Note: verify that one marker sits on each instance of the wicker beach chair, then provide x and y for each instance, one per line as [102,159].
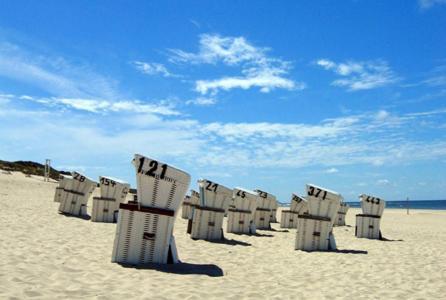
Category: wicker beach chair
[63,182]
[144,230]
[208,216]
[369,222]
[298,206]
[265,205]
[314,230]
[75,195]
[113,193]
[340,219]
[241,215]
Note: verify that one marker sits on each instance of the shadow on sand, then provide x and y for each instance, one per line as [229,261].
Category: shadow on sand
[349,251]
[181,269]
[87,217]
[230,242]
[389,240]
[278,230]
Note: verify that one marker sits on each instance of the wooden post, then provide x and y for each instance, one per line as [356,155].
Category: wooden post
[47,170]
[407,204]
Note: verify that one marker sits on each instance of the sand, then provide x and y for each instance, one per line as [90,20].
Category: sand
[47,255]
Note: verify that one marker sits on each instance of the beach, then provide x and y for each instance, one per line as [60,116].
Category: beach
[46,255]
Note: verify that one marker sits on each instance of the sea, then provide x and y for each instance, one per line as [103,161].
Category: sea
[413,204]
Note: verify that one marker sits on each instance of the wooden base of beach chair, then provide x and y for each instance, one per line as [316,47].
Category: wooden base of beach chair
[288,219]
[104,210]
[207,223]
[262,218]
[58,194]
[144,235]
[313,234]
[73,203]
[240,221]
[368,226]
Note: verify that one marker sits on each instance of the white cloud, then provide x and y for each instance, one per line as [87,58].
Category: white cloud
[104,106]
[214,48]
[437,77]
[54,75]
[257,69]
[152,69]
[331,171]
[326,145]
[265,79]
[382,115]
[360,75]
[383,182]
[202,101]
[426,4]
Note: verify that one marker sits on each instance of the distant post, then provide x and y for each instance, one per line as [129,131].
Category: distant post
[407,204]
[47,170]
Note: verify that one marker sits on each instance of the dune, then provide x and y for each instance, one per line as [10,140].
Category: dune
[47,255]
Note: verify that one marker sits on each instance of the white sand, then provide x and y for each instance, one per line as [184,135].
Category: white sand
[47,255]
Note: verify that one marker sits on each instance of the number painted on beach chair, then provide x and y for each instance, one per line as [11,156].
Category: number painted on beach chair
[78,177]
[373,200]
[210,186]
[296,198]
[314,191]
[241,194]
[262,194]
[108,181]
[153,168]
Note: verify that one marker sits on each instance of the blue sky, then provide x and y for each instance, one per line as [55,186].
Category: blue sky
[348,95]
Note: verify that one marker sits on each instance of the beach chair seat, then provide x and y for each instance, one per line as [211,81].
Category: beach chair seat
[106,207]
[241,215]
[340,219]
[63,182]
[265,204]
[314,230]
[144,229]
[298,206]
[368,223]
[207,223]
[75,195]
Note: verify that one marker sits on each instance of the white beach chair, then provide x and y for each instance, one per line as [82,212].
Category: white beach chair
[63,182]
[190,202]
[185,207]
[273,218]
[298,206]
[75,195]
[314,230]
[144,230]
[368,223]
[241,216]
[340,219]
[265,204]
[208,216]
[113,193]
